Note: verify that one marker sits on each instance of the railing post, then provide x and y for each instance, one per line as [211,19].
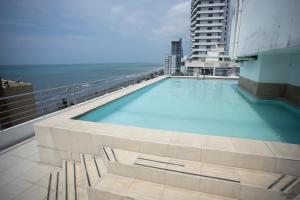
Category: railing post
[74,95]
[68,96]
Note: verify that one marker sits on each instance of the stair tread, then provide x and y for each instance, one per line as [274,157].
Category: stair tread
[283,182]
[139,189]
[92,169]
[70,182]
[80,187]
[240,175]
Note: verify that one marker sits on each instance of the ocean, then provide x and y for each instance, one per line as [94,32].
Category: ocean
[50,76]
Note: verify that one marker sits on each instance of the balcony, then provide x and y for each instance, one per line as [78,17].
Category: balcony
[206,12]
[213,24]
[207,37]
[208,31]
[206,18]
[205,43]
[207,5]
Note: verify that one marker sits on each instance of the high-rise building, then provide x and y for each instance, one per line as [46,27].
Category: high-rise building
[176,50]
[173,61]
[209,32]
[170,64]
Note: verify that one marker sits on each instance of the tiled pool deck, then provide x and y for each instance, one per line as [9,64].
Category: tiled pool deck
[22,176]
[25,170]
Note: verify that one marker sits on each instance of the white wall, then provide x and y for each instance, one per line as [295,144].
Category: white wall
[294,71]
[274,68]
[268,25]
[251,69]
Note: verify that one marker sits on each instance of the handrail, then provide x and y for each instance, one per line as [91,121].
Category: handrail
[80,84]
[20,108]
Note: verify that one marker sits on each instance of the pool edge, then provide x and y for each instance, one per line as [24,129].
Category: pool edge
[55,136]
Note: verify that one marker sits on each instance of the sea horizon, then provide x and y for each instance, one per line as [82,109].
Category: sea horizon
[46,76]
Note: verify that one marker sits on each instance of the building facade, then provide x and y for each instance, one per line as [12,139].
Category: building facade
[170,64]
[173,61]
[267,45]
[209,32]
[176,49]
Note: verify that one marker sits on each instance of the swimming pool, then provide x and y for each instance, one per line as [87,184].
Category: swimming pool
[212,107]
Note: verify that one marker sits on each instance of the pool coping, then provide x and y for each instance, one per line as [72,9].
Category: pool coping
[61,137]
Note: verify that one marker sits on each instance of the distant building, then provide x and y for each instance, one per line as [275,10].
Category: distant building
[173,61]
[209,40]
[176,50]
[170,64]
[209,28]
[18,109]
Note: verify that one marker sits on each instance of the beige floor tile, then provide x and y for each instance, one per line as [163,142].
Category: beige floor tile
[4,179]
[217,143]
[257,178]
[282,150]
[153,148]
[8,162]
[220,171]
[24,151]
[183,181]
[34,174]
[114,184]
[34,158]
[171,193]
[13,188]
[33,142]
[204,196]
[190,140]
[125,157]
[221,188]
[44,181]
[33,193]
[184,152]
[251,147]
[19,169]
[146,189]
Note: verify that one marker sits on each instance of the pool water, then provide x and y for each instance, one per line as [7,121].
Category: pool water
[212,107]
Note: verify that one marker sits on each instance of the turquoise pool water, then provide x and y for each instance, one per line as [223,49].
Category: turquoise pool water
[213,107]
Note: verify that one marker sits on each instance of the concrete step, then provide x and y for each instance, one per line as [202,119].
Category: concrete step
[92,167]
[203,177]
[102,185]
[113,187]
[73,186]
[54,191]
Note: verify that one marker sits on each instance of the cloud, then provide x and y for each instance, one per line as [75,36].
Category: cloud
[176,22]
[180,9]
[136,26]
[117,10]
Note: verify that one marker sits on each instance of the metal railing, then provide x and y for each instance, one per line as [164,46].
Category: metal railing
[20,108]
[203,71]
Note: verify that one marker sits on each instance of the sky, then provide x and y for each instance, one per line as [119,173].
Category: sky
[90,31]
